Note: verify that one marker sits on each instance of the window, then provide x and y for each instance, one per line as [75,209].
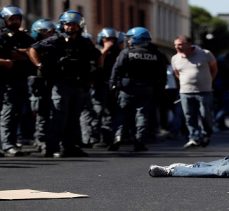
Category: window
[33,10]
[80,10]
[66,5]
[110,13]
[141,17]
[15,3]
[51,8]
[122,17]
[131,16]
[34,7]
[99,11]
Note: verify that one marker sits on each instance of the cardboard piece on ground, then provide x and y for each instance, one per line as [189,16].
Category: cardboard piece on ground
[35,194]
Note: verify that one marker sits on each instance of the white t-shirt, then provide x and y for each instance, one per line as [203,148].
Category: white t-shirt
[194,71]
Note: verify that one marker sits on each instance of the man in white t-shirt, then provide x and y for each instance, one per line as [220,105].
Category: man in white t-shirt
[195,68]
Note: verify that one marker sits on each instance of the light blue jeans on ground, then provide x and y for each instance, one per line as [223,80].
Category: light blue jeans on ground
[217,168]
[198,112]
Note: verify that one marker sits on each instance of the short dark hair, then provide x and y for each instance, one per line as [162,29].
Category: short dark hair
[185,38]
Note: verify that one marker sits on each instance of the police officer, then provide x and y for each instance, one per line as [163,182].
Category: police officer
[16,67]
[102,100]
[71,56]
[40,86]
[138,74]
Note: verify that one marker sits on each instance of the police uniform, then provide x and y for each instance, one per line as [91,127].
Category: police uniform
[138,74]
[103,101]
[40,86]
[71,60]
[15,83]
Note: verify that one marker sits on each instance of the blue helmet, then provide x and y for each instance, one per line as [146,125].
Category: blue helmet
[99,39]
[72,16]
[42,26]
[138,35]
[121,37]
[108,32]
[59,27]
[9,11]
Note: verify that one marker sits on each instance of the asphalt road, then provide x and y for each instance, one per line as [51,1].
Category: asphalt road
[118,181]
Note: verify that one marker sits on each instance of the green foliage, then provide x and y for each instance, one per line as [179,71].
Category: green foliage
[204,24]
[199,15]
[219,24]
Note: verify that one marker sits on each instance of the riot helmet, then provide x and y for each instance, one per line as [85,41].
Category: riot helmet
[99,39]
[72,16]
[59,27]
[12,16]
[108,32]
[138,35]
[9,11]
[42,28]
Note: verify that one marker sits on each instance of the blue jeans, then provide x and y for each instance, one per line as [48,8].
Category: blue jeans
[198,113]
[217,168]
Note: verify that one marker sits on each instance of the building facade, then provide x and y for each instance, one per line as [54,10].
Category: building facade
[164,18]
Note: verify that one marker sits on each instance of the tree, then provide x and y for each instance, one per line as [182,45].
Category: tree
[208,31]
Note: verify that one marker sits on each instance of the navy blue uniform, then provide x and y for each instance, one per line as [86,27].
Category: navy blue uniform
[14,82]
[139,74]
[103,101]
[68,62]
[40,90]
